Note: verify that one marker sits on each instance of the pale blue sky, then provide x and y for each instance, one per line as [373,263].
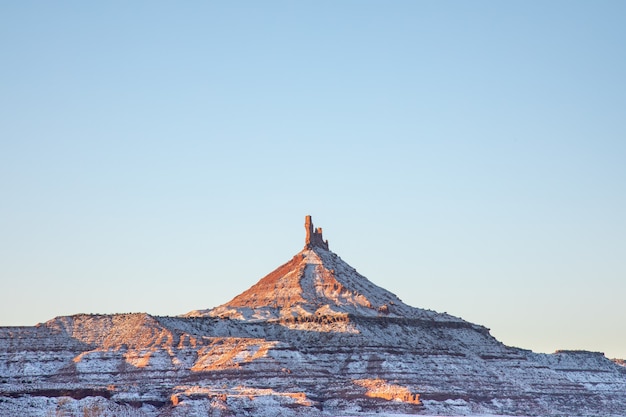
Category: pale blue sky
[468,156]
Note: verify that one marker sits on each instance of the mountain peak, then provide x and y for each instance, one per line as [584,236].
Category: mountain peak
[313,235]
[312,338]
[316,282]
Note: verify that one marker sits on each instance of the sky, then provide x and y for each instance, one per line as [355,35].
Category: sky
[470,157]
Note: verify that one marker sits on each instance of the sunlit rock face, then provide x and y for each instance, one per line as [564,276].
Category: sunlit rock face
[312,338]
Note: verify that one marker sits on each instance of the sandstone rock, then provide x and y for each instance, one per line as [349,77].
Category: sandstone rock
[312,338]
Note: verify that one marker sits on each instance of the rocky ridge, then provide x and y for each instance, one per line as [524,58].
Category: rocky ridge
[312,338]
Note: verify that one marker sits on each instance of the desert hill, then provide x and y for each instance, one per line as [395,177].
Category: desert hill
[312,338]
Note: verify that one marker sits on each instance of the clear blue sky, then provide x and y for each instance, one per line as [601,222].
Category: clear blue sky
[468,156]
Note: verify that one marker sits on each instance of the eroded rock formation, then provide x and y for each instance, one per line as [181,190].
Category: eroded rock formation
[312,338]
[313,235]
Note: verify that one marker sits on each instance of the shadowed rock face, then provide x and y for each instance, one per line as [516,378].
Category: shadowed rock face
[312,338]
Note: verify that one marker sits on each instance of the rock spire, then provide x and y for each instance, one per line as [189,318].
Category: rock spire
[313,236]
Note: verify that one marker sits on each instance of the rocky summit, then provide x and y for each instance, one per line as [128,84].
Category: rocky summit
[312,338]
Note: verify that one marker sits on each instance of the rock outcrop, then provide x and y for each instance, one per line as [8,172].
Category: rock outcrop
[312,338]
[313,236]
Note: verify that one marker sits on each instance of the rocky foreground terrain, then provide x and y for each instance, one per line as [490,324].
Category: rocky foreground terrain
[312,338]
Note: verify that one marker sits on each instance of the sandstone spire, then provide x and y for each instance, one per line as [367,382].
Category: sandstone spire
[313,236]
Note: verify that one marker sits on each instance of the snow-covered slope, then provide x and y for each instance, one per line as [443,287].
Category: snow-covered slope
[312,338]
[316,282]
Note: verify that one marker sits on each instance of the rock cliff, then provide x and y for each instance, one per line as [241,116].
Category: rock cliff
[312,338]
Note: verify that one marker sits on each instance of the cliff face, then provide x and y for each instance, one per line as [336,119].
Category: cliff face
[312,338]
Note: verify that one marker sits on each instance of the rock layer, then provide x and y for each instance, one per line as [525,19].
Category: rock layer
[312,338]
